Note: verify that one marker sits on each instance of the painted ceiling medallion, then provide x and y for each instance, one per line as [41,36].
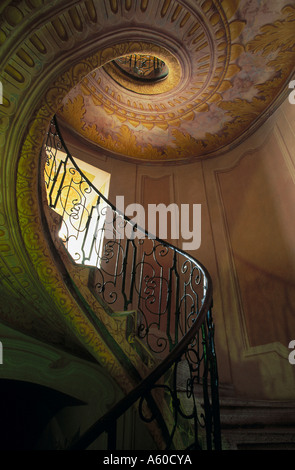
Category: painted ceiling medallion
[228,62]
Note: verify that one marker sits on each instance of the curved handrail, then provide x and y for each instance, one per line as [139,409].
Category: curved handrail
[197,343]
[142,388]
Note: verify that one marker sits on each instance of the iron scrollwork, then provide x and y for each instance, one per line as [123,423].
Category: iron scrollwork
[163,284]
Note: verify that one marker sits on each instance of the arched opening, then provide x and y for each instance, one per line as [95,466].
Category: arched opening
[26,411]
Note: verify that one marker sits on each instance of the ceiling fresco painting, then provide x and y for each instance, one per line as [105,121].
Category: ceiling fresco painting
[236,58]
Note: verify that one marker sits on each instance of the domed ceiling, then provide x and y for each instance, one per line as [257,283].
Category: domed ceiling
[224,65]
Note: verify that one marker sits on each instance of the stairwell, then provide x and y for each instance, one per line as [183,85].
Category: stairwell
[149,302]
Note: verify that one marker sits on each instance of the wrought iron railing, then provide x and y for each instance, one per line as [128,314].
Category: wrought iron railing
[170,291]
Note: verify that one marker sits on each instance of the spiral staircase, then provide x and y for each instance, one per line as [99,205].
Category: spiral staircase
[149,301]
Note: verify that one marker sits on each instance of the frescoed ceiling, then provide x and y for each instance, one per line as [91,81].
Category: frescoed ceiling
[229,62]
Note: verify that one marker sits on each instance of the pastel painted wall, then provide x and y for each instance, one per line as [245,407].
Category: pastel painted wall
[251,204]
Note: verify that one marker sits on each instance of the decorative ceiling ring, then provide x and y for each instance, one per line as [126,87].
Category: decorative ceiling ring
[197,58]
[171,76]
[196,68]
[147,42]
[174,78]
[225,88]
